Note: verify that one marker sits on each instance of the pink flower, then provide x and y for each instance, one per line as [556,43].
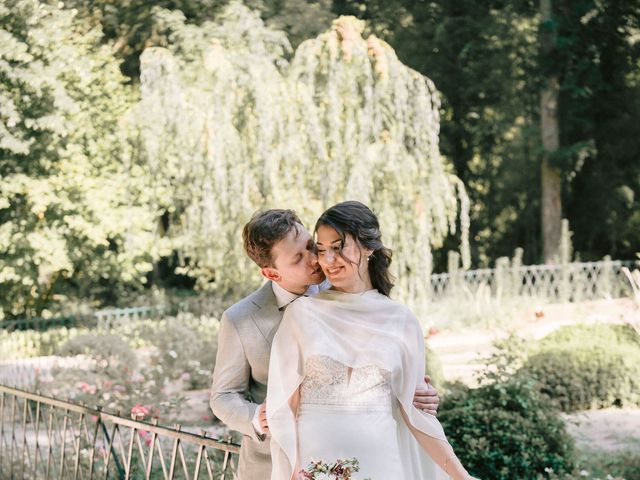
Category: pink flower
[138,412]
[86,388]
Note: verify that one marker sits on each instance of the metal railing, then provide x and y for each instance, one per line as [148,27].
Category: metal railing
[104,319]
[47,438]
[571,282]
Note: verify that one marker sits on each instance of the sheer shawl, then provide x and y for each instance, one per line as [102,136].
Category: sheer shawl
[356,330]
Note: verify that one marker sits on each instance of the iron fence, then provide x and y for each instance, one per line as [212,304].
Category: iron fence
[571,282]
[103,319]
[48,438]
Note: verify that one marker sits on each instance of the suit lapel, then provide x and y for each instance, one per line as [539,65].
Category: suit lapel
[266,315]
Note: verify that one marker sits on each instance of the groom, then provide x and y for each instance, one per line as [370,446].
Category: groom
[279,244]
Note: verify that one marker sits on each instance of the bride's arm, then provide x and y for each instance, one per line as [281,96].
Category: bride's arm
[294,404]
[440,451]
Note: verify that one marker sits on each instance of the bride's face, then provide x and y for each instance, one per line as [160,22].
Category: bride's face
[345,265]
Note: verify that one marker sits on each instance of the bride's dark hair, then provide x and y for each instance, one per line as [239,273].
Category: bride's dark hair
[356,219]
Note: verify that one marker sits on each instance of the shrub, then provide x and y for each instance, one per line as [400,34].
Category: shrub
[108,374]
[623,463]
[603,465]
[184,348]
[20,344]
[108,350]
[433,367]
[506,431]
[581,367]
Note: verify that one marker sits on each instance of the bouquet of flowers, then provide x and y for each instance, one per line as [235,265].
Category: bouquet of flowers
[341,469]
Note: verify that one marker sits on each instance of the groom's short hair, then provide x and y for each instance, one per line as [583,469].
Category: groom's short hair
[264,230]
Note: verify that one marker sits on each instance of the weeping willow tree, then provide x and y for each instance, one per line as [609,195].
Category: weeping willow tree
[232,121]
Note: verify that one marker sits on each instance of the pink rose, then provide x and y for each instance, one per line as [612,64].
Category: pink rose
[138,412]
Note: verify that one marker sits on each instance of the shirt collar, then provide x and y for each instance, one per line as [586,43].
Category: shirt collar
[285,297]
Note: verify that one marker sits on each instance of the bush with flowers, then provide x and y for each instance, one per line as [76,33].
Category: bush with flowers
[146,362]
[182,349]
[109,375]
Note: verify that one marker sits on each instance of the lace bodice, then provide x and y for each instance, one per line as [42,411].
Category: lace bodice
[327,382]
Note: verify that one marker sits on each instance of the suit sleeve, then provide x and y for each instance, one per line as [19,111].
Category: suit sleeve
[231,376]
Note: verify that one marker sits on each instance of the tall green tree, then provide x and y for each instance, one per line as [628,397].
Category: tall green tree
[598,59]
[482,56]
[486,59]
[230,125]
[73,223]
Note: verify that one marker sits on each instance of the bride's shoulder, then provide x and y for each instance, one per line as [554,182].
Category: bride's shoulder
[397,306]
[403,315]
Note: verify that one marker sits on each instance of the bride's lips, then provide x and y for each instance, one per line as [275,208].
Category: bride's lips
[332,271]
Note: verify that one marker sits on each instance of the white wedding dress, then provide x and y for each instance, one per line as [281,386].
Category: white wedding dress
[352,361]
[348,413]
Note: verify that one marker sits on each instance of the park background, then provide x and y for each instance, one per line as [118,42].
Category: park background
[497,141]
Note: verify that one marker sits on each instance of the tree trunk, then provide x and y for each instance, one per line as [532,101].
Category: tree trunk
[551,211]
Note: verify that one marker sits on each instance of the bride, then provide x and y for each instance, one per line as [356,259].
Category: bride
[345,364]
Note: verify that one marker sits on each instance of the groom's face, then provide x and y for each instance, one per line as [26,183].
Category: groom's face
[295,262]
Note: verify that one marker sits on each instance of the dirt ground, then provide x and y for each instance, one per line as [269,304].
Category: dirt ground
[609,429]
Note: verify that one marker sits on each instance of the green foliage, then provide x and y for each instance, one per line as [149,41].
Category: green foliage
[597,60]
[433,367]
[73,222]
[103,348]
[344,119]
[230,119]
[33,343]
[183,347]
[623,464]
[506,430]
[129,25]
[300,19]
[484,58]
[583,367]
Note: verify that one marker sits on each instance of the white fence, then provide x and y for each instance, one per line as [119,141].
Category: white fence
[571,282]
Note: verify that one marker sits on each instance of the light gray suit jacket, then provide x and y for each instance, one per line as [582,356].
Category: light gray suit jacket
[240,375]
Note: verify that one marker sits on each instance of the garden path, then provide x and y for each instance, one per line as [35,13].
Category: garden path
[461,351]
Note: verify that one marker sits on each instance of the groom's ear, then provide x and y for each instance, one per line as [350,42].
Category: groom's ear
[271,274]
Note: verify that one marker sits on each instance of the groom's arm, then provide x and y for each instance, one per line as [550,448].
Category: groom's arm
[231,376]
